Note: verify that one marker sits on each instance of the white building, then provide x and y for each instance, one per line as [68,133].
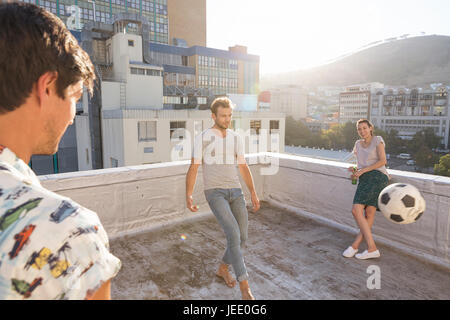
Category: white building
[135,137]
[136,129]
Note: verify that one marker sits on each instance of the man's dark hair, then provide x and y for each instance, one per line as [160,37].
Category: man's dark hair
[34,41]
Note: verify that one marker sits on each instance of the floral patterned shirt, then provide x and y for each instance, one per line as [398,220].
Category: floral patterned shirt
[50,246]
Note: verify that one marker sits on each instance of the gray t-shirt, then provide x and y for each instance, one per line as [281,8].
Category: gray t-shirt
[219,157]
[369,156]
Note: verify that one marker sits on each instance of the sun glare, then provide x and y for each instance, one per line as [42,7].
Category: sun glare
[290,35]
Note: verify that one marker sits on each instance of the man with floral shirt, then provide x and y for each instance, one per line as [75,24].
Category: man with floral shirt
[50,246]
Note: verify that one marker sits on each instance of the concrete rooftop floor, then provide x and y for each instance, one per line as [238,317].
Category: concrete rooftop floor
[287,257]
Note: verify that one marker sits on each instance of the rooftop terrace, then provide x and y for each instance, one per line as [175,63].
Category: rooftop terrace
[295,240]
[288,257]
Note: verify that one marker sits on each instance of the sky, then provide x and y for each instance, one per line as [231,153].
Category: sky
[291,35]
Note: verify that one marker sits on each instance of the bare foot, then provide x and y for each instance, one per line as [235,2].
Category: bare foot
[245,291]
[247,295]
[225,275]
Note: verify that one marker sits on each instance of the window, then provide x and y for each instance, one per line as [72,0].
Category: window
[148,72]
[255,126]
[148,150]
[146,130]
[155,73]
[274,126]
[177,128]
[114,163]
[131,43]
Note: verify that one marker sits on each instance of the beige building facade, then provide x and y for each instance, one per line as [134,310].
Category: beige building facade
[290,100]
[354,102]
[187,21]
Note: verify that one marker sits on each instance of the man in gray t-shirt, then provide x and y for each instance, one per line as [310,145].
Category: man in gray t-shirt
[220,151]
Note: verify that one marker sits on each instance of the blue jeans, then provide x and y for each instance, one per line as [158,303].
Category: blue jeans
[228,205]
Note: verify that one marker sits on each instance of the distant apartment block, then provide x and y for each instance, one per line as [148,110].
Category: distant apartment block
[411,110]
[354,102]
[77,13]
[291,100]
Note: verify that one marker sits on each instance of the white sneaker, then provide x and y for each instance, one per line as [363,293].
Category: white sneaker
[368,255]
[349,252]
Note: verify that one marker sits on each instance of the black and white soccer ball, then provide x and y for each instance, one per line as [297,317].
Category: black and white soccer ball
[401,203]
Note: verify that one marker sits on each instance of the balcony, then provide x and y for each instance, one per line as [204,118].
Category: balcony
[295,240]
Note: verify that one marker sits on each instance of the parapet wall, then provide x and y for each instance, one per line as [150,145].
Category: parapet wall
[140,198]
[322,190]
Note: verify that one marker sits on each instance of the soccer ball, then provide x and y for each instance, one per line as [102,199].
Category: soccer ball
[401,203]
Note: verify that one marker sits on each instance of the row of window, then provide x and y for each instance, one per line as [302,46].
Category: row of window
[133,4]
[413,129]
[223,73]
[183,100]
[206,81]
[147,5]
[412,104]
[159,28]
[425,96]
[358,102]
[353,114]
[179,79]
[215,62]
[412,122]
[353,96]
[418,114]
[352,109]
[175,100]
[168,58]
[145,72]
[161,8]
[147,129]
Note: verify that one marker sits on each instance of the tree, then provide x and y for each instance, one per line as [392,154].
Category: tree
[393,143]
[425,158]
[349,134]
[425,137]
[335,138]
[443,167]
[297,133]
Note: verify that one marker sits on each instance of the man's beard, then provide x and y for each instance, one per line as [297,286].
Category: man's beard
[220,126]
[50,145]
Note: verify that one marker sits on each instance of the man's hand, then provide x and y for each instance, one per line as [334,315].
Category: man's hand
[255,202]
[190,204]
